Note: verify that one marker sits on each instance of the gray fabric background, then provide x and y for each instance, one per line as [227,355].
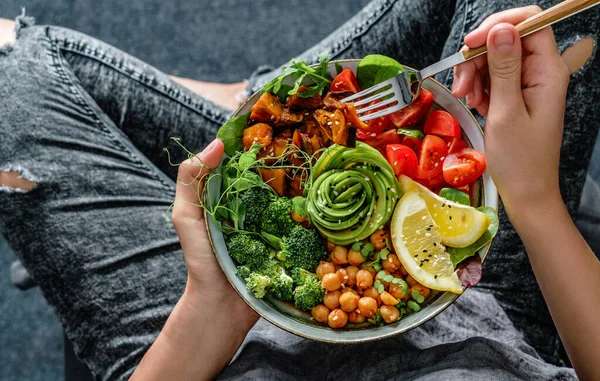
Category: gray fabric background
[232,37]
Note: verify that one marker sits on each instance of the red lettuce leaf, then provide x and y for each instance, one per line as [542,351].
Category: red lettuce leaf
[469,271]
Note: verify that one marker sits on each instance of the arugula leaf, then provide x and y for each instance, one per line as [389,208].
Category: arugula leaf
[231,133]
[457,255]
[299,71]
[411,132]
[282,94]
[455,195]
[376,68]
[299,204]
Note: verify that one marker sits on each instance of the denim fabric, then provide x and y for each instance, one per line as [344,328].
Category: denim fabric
[87,124]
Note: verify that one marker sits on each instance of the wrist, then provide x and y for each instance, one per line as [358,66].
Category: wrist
[524,211]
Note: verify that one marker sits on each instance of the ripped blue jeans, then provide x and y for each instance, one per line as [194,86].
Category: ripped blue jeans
[87,124]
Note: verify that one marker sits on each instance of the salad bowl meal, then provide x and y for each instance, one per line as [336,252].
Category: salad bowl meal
[344,231]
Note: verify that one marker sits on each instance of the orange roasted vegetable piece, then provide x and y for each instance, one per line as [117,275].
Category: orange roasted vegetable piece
[352,117]
[260,133]
[267,109]
[332,99]
[297,102]
[275,178]
[275,150]
[296,184]
[288,118]
[336,121]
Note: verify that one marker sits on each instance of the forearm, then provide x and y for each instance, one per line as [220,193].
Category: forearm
[568,273]
[198,340]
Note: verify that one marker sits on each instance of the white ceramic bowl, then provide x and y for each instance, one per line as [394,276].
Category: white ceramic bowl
[286,316]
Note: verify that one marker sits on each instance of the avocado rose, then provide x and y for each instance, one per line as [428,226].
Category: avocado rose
[353,193]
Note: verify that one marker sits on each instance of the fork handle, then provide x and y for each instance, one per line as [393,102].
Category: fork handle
[539,21]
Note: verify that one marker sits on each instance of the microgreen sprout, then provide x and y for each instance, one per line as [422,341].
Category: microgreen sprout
[377,319]
[367,250]
[417,296]
[383,254]
[356,246]
[413,306]
[379,286]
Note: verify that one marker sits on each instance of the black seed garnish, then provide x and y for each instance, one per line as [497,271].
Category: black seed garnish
[416,255]
[450,218]
[428,229]
[449,206]
[424,250]
[435,277]
[434,244]
[430,154]
[443,205]
[430,255]
[421,265]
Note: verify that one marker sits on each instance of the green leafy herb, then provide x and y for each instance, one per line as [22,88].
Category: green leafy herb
[388,278]
[367,250]
[384,253]
[413,306]
[411,132]
[299,204]
[377,319]
[455,195]
[231,133]
[403,312]
[457,255]
[388,243]
[282,94]
[298,71]
[379,286]
[400,304]
[338,68]
[403,283]
[237,212]
[417,296]
[375,68]
[377,266]
[356,246]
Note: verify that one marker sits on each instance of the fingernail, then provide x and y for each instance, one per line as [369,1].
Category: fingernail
[469,98]
[209,148]
[504,40]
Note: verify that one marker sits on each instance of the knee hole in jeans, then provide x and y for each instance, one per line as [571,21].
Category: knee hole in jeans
[7,34]
[15,181]
[578,54]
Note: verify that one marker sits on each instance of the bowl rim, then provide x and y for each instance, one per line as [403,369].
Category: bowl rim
[453,297]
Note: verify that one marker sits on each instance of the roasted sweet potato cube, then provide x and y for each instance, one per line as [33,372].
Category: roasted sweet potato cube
[275,178]
[296,102]
[275,150]
[267,109]
[260,133]
[335,121]
[288,118]
[332,99]
[296,184]
[352,117]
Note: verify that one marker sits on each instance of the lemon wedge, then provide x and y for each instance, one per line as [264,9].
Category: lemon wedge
[459,225]
[418,245]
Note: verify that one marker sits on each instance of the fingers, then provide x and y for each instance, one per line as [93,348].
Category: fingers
[186,209]
[478,37]
[504,64]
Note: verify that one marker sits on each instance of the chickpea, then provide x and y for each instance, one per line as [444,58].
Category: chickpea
[367,306]
[320,313]
[298,218]
[396,291]
[389,314]
[355,317]
[403,271]
[337,318]
[351,271]
[373,293]
[355,258]
[364,279]
[332,300]
[331,282]
[410,280]
[371,269]
[350,290]
[378,239]
[339,255]
[380,275]
[349,302]
[324,268]
[330,246]
[343,275]
[388,299]
[424,291]
[391,263]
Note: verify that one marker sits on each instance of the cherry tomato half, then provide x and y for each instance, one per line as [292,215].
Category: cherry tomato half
[381,141]
[345,81]
[463,167]
[455,144]
[413,143]
[433,152]
[414,112]
[402,159]
[441,123]
[364,134]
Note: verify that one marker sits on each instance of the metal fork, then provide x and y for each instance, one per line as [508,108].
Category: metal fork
[399,91]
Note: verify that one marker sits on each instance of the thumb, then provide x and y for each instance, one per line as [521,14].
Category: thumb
[504,65]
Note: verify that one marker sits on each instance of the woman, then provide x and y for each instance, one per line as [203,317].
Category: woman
[86,186]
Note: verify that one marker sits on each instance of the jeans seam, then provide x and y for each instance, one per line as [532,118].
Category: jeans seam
[151,82]
[120,145]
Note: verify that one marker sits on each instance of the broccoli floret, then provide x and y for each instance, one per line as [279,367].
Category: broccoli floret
[282,285]
[276,217]
[247,250]
[301,276]
[309,294]
[258,284]
[255,201]
[244,272]
[303,248]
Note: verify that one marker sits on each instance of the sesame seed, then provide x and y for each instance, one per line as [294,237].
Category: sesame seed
[334,318]
[424,218]
[272,117]
[427,234]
